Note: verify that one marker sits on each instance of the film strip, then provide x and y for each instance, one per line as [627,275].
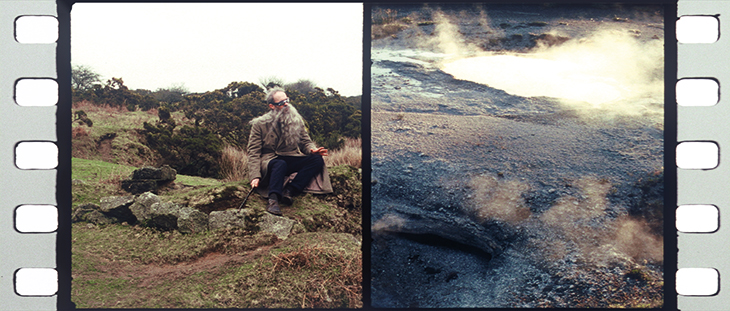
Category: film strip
[701,199]
[28,275]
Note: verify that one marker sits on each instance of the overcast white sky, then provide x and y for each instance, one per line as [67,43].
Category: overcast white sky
[206,46]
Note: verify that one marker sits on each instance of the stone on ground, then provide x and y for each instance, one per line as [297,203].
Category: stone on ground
[142,205]
[164,215]
[118,207]
[232,218]
[278,225]
[191,220]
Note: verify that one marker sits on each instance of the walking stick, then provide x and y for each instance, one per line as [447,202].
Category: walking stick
[246,199]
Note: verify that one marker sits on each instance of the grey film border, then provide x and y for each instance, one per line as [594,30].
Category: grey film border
[705,186]
[18,187]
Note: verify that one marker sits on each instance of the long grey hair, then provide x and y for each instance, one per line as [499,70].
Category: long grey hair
[270,94]
[292,123]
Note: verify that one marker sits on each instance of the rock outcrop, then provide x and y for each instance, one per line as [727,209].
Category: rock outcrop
[149,179]
[217,199]
[148,210]
[489,240]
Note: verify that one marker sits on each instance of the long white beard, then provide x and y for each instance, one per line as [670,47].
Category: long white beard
[292,124]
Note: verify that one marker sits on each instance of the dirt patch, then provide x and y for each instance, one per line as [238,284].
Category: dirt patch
[150,275]
[212,263]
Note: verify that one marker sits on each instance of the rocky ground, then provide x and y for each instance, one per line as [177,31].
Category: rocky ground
[191,242]
[482,198]
[195,244]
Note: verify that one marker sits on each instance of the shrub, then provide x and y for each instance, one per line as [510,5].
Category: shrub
[220,117]
[301,86]
[81,116]
[190,150]
[172,94]
[164,113]
[114,93]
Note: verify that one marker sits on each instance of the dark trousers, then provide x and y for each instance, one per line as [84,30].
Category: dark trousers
[306,167]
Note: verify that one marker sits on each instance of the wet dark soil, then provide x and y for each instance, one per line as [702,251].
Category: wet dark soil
[481,198]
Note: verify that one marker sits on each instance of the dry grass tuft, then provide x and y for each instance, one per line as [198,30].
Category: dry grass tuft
[234,164]
[328,286]
[350,153]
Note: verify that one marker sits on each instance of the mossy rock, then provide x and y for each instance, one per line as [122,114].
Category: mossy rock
[347,186]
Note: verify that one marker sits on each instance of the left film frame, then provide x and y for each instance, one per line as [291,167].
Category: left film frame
[29,271]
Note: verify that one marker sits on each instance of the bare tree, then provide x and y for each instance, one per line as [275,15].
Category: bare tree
[83,77]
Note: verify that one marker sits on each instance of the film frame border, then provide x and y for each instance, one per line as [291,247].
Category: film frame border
[691,124]
[28,256]
[703,252]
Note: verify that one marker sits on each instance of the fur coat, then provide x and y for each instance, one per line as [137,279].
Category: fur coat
[265,143]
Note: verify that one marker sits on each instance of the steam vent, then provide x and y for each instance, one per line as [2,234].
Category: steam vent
[517,156]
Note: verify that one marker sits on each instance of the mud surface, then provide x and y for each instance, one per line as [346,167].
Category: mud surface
[481,198]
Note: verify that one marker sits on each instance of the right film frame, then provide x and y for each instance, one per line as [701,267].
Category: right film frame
[701,257]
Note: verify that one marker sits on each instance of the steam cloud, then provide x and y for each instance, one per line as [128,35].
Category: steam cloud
[575,226]
[389,222]
[610,68]
[499,200]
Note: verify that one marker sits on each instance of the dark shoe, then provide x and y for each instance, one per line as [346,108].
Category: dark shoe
[273,207]
[286,197]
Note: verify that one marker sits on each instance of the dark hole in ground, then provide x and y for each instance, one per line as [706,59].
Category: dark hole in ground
[437,241]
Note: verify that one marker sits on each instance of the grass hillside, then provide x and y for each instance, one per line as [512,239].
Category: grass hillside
[130,266]
[113,136]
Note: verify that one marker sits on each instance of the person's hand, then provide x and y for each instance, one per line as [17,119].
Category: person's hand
[255,183]
[320,151]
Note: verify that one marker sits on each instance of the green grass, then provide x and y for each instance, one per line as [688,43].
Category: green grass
[136,244]
[97,171]
[119,266]
[92,180]
[196,181]
[108,292]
